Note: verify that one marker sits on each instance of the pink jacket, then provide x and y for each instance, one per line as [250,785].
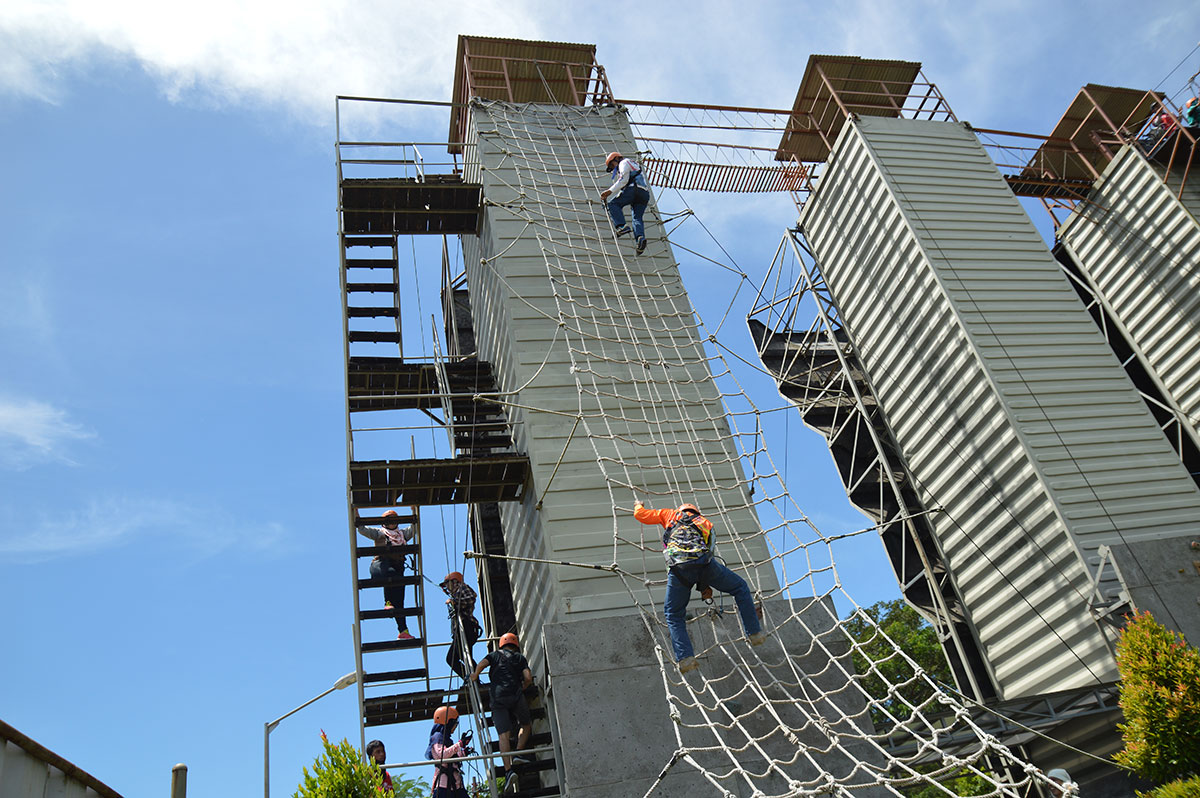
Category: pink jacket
[442,778]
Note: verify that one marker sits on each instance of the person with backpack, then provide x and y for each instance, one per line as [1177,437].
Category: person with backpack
[509,675]
[630,188]
[464,628]
[391,565]
[688,547]
[448,779]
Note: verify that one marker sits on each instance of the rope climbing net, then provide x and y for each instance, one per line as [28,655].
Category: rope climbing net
[830,704]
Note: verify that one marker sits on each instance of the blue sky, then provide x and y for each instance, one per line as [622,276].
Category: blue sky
[173,551]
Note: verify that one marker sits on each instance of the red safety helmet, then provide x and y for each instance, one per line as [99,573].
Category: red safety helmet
[509,639]
[453,576]
[689,506]
[612,156]
[444,715]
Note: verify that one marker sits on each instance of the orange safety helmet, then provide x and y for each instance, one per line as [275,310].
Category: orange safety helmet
[452,576]
[612,156]
[509,639]
[386,513]
[444,715]
[688,506]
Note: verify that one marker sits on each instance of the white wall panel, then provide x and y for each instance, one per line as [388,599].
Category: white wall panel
[1009,407]
[1138,243]
[617,310]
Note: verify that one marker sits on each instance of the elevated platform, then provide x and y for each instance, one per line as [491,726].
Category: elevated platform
[465,480]
[436,204]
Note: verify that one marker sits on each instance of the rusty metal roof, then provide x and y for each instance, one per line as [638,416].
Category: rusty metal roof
[865,86]
[1110,112]
[503,69]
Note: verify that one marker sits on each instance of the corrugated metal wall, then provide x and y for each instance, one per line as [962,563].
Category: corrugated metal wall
[1012,412]
[1139,245]
[23,775]
[545,252]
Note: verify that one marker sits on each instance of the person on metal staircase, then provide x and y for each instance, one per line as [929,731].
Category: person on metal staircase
[629,188]
[688,547]
[464,629]
[391,565]
[509,675]
[378,754]
[448,777]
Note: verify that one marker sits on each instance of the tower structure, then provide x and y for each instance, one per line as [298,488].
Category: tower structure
[973,406]
[576,380]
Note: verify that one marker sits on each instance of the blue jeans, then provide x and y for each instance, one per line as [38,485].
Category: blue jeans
[680,580]
[633,195]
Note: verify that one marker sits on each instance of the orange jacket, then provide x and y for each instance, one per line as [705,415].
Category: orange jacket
[678,550]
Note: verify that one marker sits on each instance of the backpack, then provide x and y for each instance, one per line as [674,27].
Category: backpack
[688,539]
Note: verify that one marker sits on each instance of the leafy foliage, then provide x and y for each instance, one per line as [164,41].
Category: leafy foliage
[340,772]
[883,669]
[1160,696]
[1181,788]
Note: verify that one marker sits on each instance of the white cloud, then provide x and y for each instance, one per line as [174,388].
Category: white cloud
[33,432]
[118,521]
[296,54]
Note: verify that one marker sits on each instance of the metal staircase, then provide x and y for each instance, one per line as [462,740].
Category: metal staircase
[395,681]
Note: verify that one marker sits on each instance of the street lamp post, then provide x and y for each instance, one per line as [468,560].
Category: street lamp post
[342,683]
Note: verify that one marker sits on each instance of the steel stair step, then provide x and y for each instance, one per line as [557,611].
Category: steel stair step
[388,581]
[407,612]
[373,337]
[369,241]
[372,313]
[370,263]
[392,676]
[391,645]
[371,288]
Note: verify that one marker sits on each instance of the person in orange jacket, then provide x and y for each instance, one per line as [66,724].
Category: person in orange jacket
[688,547]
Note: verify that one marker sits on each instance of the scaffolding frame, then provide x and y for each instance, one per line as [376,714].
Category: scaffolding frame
[819,374]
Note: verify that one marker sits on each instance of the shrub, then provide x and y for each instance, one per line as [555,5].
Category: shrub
[340,772]
[1160,696]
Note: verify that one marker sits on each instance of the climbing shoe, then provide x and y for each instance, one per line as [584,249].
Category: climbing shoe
[641,247]
[405,636]
[624,230]
[688,664]
[758,638]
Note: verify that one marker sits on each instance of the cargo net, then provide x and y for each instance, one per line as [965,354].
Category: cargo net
[828,705]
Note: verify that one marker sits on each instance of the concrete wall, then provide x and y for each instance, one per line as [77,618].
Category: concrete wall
[616,739]
[578,327]
[1010,410]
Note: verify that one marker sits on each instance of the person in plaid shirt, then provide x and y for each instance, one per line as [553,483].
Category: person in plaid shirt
[464,629]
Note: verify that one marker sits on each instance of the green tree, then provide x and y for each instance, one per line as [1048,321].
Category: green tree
[340,772]
[892,683]
[1160,697]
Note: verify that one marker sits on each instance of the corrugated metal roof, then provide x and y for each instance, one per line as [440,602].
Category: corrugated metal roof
[522,83]
[1091,112]
[859,83]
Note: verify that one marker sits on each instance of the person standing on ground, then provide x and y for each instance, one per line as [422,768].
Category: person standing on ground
[688,547]
[378,754]
[386,566]
[464,629]
[628,188]
[509,676]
